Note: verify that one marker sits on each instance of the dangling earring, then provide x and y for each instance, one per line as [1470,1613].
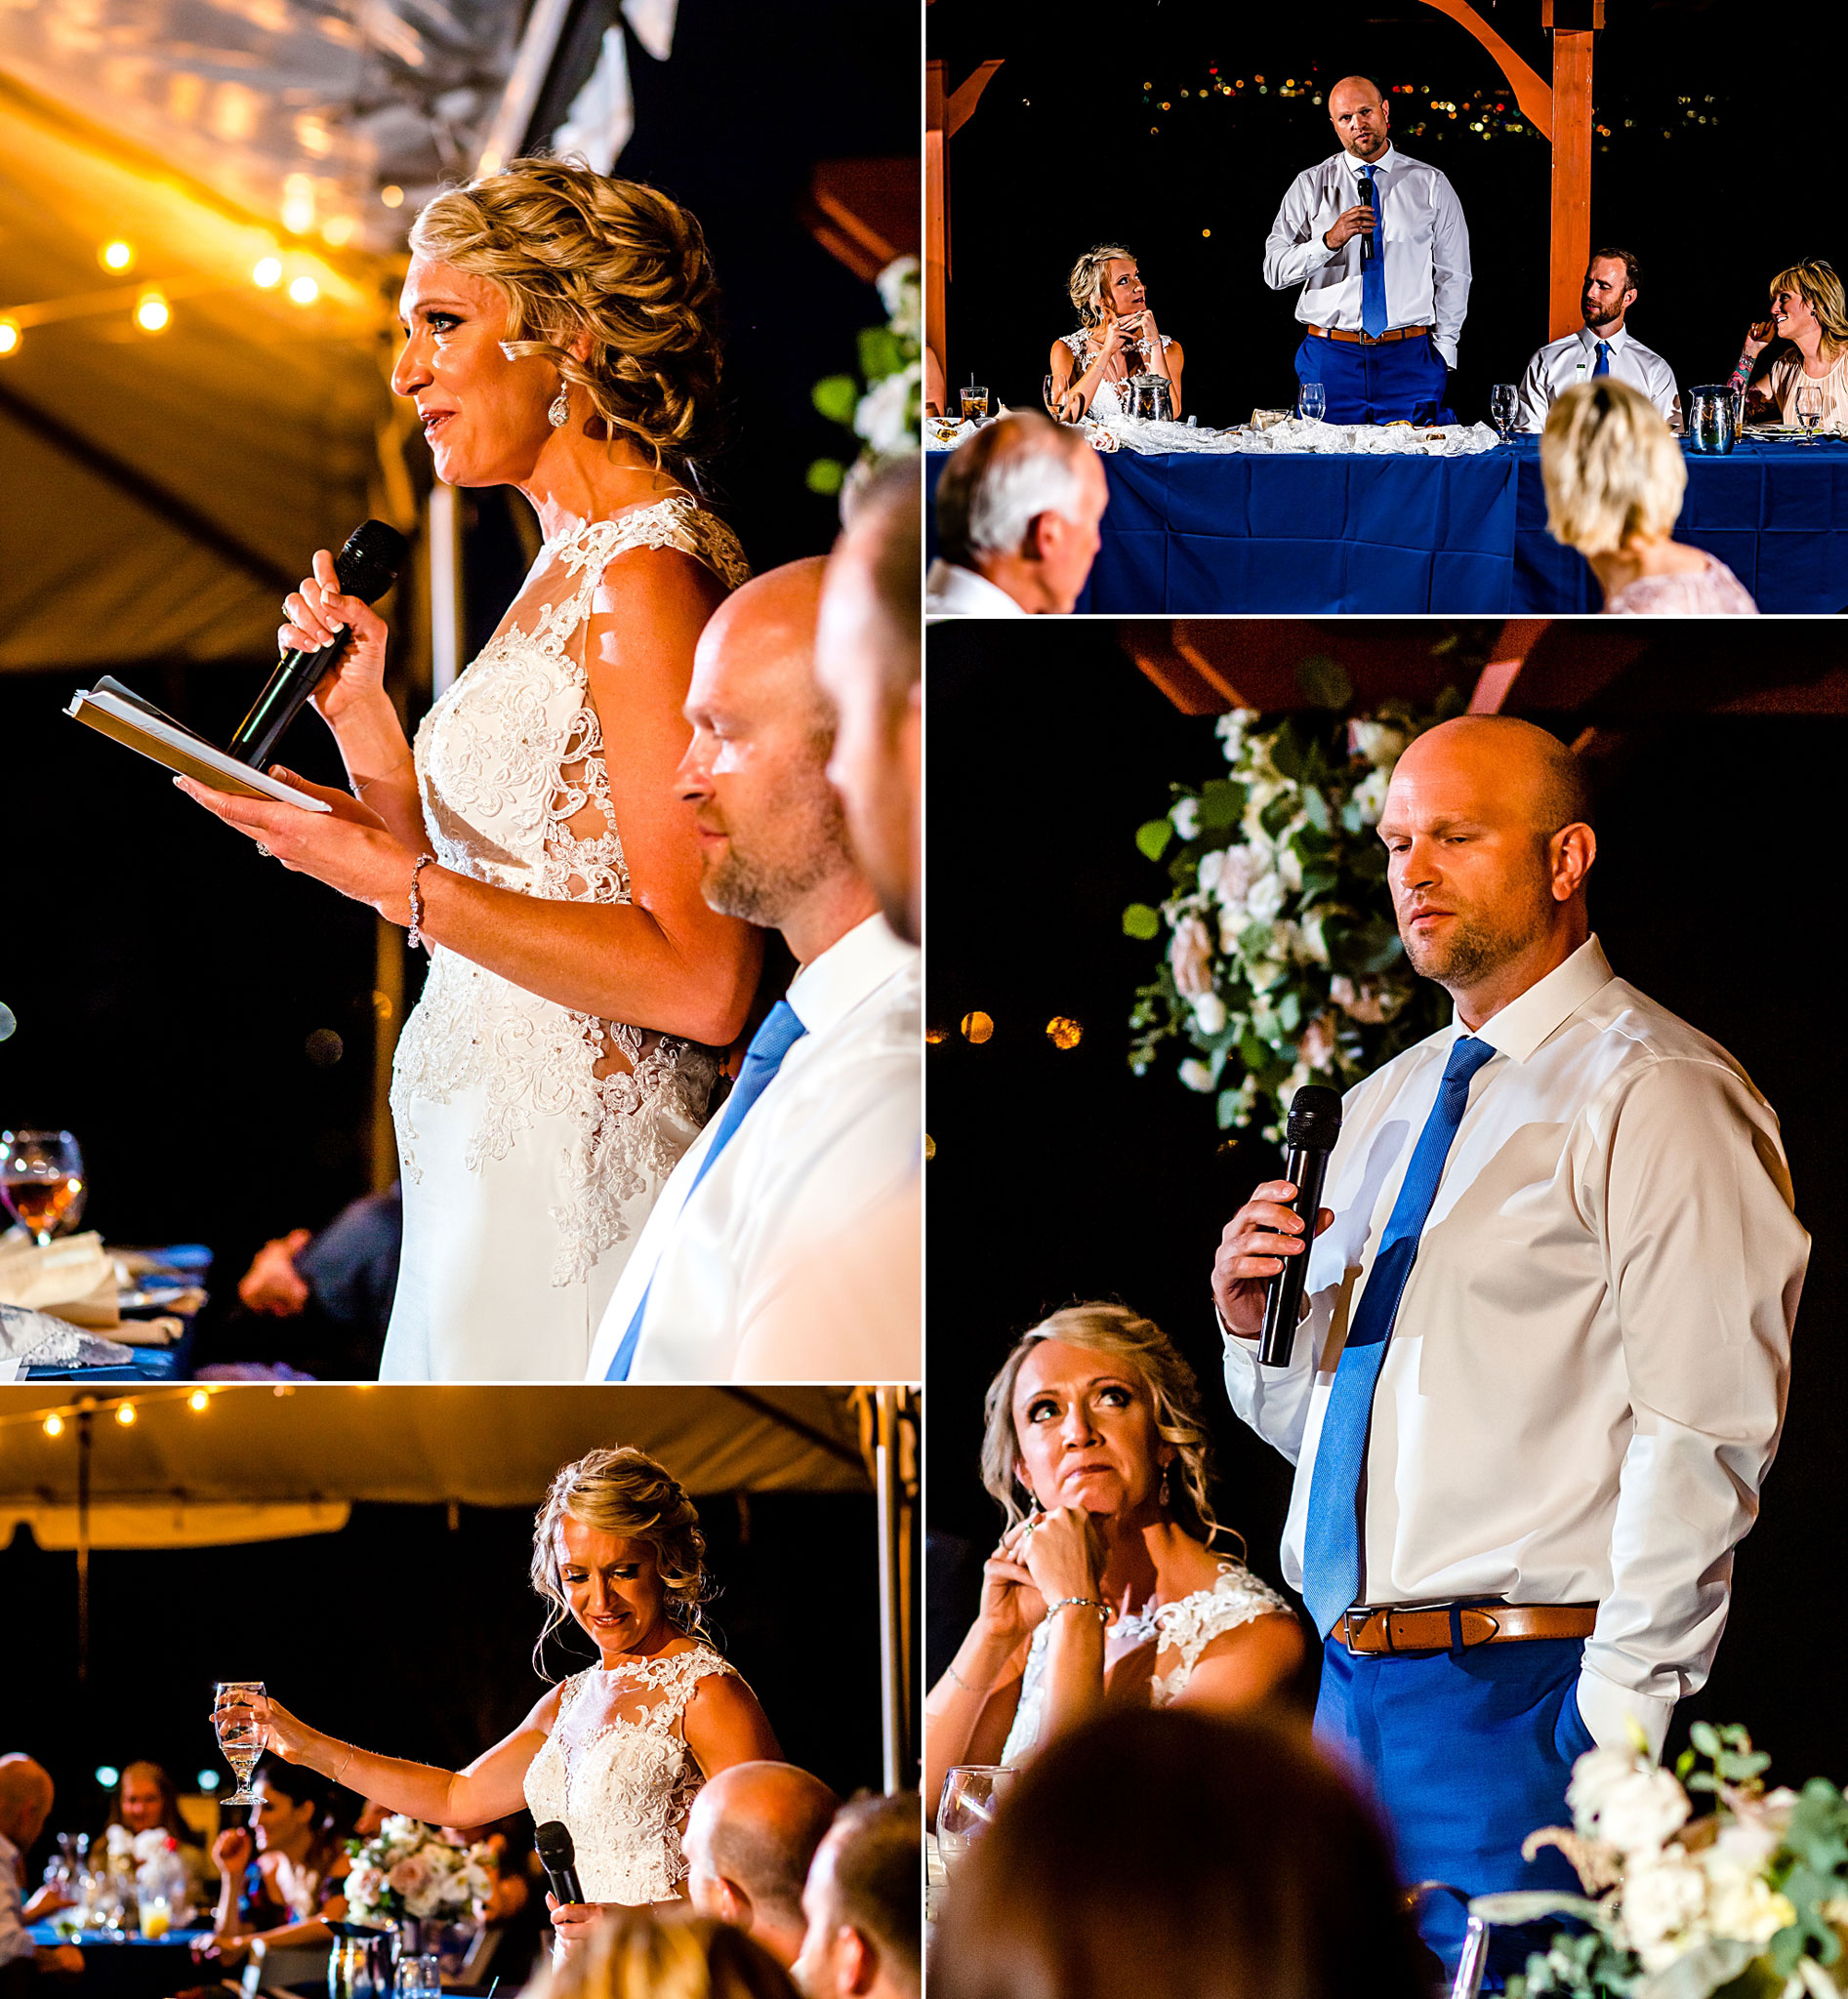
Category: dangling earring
[559,410]
[1163,1496]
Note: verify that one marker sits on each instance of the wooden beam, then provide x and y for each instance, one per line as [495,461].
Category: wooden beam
[1572,180]
[1531,89]
[946,112]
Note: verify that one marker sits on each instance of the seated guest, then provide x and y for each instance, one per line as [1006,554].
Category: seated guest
[1602,345]
[636,1954]
[26,1804]
[1614,478]
[862,1901]
[751,1832]
[149,1801]
[284,1884]
[1807,310]
[1175,1855]
[821,1126]
[1017,512]
[850,1305]
[1105,1586]
[1116,338]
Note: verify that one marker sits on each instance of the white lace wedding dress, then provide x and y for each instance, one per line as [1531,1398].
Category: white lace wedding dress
[623,1788]
[1107,403]
[1180,1631]
[532,1139]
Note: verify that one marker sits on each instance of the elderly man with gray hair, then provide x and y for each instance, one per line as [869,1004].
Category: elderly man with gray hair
[1017,513]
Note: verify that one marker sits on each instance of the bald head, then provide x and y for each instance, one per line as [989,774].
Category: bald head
[25,1800]
[749,1838]
[1359,117]
[1488,832]
[766,631]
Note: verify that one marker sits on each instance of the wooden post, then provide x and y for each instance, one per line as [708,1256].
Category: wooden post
[945,113]
[1572,170]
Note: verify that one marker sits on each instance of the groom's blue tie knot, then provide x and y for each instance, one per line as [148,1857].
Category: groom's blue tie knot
[1331,1542]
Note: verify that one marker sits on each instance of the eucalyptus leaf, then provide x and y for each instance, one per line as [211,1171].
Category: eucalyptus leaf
[825,476]
[1703,1969]
[1323,681]
[1221,804]
[1519,1905]
[1153,837]
[1142,922]
[836,396]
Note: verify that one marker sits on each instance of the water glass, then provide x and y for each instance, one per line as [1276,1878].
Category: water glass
[1504,400]
[1313,399]
[971,1793]
[420,1977]
[974,405]
[1809,409]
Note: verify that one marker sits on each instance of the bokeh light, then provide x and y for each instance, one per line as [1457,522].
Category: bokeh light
[268,274]
[54,1425]
[9,335]
[304,289]
[392,195]
[116,256]
[107,1775]
[324,1047]
[1063,1032]
[125,1414]
[153,313]
[977,1027]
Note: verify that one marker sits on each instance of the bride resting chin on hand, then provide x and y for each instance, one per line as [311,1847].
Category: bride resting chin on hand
[1107,1592]
[617,1752]
[560,338]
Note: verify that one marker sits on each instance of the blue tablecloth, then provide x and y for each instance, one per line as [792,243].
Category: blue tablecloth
[1192,534]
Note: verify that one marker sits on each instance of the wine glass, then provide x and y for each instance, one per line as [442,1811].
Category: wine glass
[240,1738]
[971,1793]
[1053,397]
[1809,408]
[1503,398]
[1312,398]
[42,1182]
[974,405]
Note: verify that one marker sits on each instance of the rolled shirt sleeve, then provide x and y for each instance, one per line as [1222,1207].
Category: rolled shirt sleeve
[1450,268]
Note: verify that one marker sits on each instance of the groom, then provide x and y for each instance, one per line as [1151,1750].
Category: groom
[1542,1369]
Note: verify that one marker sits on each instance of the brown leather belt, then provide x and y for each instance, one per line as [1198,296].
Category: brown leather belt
[1368,339]
[1437,1627]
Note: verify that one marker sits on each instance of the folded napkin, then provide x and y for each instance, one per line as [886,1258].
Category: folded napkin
[72,1278]
[36,1339]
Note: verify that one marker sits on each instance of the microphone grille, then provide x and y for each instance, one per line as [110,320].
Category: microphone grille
[1315,1119]
[553,1841]
[369,564]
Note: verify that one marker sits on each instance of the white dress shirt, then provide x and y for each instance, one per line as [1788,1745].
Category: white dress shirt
[835,1132]
[1427,247]
[1585,1380]
[1562,363]
[16,1939]
[953,592]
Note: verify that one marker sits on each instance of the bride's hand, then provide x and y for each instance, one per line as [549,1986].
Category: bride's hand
[573,1921]
[1012,1605]
[349,849]
[281,1734]
[1062,1554]
[319,614]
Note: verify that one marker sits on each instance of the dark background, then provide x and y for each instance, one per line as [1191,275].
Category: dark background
[414,1638]
[1059,1176]
[1060,154]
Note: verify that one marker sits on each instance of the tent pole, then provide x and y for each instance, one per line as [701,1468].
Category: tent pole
[890,1636]
[86,1420]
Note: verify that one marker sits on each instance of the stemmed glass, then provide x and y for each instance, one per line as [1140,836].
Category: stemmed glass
[1053,397]
[1312,398]
[42,1182]
[240,1738]
[971,1793]
[1503,399]
[1809,408]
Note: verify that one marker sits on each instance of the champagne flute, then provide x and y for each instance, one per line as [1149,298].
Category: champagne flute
[1503,400]
[42,1181]
[971,1793]
[1809,408]
[240,1738]
[1053,397]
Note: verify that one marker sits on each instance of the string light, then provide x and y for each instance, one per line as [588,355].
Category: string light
[8,336]
[304,289]
[54,1424]
[267,274]
[393,196]
[153,313]
[125,1414]
[1063,1032]
[977,1027]
[199,1399]
[116,256]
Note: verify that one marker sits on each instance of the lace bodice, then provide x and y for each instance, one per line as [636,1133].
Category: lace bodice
[1106,403]
[624,1785]
[510,767]
[1180,1632]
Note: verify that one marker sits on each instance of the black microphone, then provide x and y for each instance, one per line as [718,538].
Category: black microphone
[1366,257]
[1315,1123]
[560,1858]
[366,567]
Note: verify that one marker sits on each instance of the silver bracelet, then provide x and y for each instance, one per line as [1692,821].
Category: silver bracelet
[416,938]
[1081,1604]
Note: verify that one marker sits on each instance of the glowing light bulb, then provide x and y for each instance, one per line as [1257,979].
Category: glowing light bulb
[116,256]
[391,196]
[304,291]
[152,314]
[298,204]
[8,336]
[200,1398]
[54,1425]
[125,1416]
[268,274]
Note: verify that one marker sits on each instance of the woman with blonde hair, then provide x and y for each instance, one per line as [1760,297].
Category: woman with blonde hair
[1105,1589]
[640,1956]
[1116,338]
[1615,475]
[1809,310]
[560,338]
[617,1752]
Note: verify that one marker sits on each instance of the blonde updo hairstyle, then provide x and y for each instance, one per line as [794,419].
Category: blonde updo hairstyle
[638,1954]
[624,1492]
[576,253]
[1611,466]
[1144,1349]
[1087,281]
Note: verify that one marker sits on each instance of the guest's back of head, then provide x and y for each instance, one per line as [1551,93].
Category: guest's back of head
[1019,503]
[1175,1855]
[863,1902]
[636,1954]
[1612,468]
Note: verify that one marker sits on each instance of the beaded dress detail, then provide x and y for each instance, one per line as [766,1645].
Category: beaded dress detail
[1180,1631]
[1106,403]
[515,1114]
[624,1788]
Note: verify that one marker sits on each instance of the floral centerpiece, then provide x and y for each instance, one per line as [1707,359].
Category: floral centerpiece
[1752,1896]
[1281,962]
[886,413]
[409,1870]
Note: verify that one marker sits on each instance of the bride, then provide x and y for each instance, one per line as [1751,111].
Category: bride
[1108,1593]
[617,1752]
[561,338]
[1117,337]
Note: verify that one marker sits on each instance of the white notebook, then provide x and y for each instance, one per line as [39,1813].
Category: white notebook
[119,712]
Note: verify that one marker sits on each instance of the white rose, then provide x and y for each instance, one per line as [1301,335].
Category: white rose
[1185,814]
[1662,1905]
[122,1842]
[1315,946]
[150,1845]
[1316,1048]
[1232,883]
[1379,743]
[1231,730]
[1290,939]
[1196,1075]
[1641,1812]
[1370,796]
[1208,1013]
[884,414]
[1290,868]
[898,289]
[1741,1901]
[1266,899]
[1191,956]
[1598,1772]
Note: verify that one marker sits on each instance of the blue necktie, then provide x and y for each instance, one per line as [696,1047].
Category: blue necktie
[1331,1542]
[779,1034]
[1604,358]
[1372,273]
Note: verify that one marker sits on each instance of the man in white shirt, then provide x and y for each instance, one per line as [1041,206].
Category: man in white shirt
[822,1124]
[1541,1371]
[865,1934]
[1018,508]
[1377,243]
[1602,345]
[26,1804]
[849,1305]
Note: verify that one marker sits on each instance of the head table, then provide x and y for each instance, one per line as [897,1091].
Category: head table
[1194,534]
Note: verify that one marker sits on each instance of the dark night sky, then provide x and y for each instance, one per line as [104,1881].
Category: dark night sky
[1059,1176]
[1060,154]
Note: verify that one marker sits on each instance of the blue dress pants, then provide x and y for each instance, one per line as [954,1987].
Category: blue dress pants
[1465,1753]
[1401,379]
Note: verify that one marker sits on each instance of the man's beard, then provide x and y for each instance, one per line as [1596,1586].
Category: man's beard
[1472,951]
[764,890]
